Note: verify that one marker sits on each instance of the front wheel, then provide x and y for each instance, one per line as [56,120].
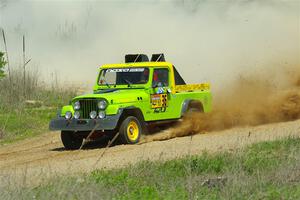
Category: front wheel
[70,140]
[130,130]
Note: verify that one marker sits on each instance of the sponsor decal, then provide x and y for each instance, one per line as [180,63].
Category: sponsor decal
[159,102]
[125,70]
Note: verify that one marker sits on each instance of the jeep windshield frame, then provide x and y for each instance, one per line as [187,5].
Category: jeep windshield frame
[123,76]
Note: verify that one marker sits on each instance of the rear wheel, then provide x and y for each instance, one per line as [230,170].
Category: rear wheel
[194,107]
[193,110]
[70,140]
[130,130]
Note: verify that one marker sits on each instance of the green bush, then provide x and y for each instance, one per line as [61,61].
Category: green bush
[2,64]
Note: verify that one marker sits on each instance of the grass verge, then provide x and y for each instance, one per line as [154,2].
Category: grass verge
[267,170]
[25,111]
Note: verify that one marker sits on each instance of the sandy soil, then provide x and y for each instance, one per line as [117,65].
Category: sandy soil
[39,158]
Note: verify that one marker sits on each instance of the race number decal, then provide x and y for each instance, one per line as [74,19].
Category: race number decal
[159,101]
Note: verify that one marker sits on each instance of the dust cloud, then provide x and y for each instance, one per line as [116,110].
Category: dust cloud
[212,41]
[249,101]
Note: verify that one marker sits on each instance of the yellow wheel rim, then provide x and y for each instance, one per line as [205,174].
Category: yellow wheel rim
[133,131]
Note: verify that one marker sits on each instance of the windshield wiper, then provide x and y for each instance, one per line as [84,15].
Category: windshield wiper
[101,91]
[106,83]
[127,81]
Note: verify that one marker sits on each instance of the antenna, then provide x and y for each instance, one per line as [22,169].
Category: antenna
[158,58]
[137,58]
[132,58]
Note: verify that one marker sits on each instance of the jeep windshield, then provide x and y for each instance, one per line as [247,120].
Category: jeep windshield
[123,76]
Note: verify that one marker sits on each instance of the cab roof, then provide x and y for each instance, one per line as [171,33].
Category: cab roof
[141,60]
[137,64]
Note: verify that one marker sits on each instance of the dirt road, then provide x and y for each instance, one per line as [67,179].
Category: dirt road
[43,157]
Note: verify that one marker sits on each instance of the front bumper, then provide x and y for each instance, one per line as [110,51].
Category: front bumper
[108,123]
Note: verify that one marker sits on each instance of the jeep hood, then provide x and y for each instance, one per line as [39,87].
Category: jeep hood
[116,95]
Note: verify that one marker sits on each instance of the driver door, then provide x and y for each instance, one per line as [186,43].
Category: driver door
[160,94]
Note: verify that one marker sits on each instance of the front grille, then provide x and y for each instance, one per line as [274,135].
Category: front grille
[86,106]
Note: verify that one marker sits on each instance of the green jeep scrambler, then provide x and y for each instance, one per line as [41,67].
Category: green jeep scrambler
[127,98]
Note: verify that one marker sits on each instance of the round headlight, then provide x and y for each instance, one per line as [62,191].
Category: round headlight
[76,114]
[93,114]
[102,104]
[77,105]
[68,115]
[101,114]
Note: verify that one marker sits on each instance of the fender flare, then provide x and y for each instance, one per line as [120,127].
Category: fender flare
[186,103]
[137,112]
[132,111]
